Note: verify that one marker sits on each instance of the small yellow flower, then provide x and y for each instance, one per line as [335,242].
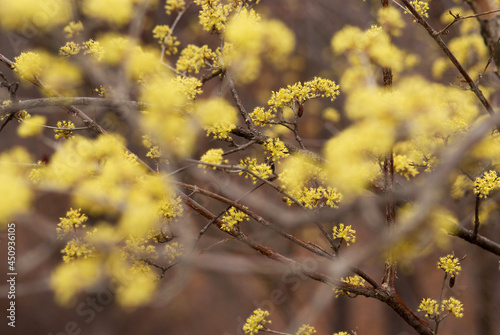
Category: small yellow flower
[344,232]
[212,156]
[450,264]
[173,251]
[429,306]
[276,148]
[484,185]
[454,306]
[73,219]
[94,49]
[65,129]
[72,29]
[76,249]
[306,330]
[256,322]
[163,34]
[422,7]
[232,218]
[32,127]
[69,49]
[174,5]
[353,280]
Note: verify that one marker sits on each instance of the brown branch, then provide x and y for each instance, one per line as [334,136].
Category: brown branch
[392,301]
[68,101]
[435,35]
[480,241]
[257,218]
[87,121]
[239,104]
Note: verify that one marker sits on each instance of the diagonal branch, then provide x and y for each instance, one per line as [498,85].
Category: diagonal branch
[436,36]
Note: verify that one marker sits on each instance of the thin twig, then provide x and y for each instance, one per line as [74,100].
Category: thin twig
[435,35]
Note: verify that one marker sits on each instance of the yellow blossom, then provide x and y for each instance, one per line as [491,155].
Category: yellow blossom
[212,156]
[115,11]
[72,29]
[352,280]
[232,218]
[163,34]
[484,185]
[276,148]
[76,249]
[32,127]
[344,232]
[69,49]
[173,251]
[174,5]
[454,306]
[28,65]
[93,48]
[261,170]
[73,219]
[429,306]
[213,15]
[450,264]
[306,330]
[193,58]
[64,130]
[256,322]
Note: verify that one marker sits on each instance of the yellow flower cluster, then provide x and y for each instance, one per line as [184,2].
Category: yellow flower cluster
[454,306]
[232,218]
[484,185]
[344,232]
[262,170]
[58,74]
[32,127]
[190,87]
[251,40]
[65,129]
[262,117]
[193,58]
[429,306]
[117,12]
[404,166]
[312,197]
[73,219]
[422,7]
[173,251]
[213,14]
[256,322]
[73,29]
[292,95]
[163,34]
[450,264]
[353,280]
[212,156]
[94,49]
[276,148]
[154,150]
[174,5]
[76,249]
[306,330]
[171,208]
[299,93]
[28,65]
[390,20]
[217,116]
[37,15]
[69,49]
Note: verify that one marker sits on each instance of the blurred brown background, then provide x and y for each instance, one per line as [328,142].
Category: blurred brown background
[217,291]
